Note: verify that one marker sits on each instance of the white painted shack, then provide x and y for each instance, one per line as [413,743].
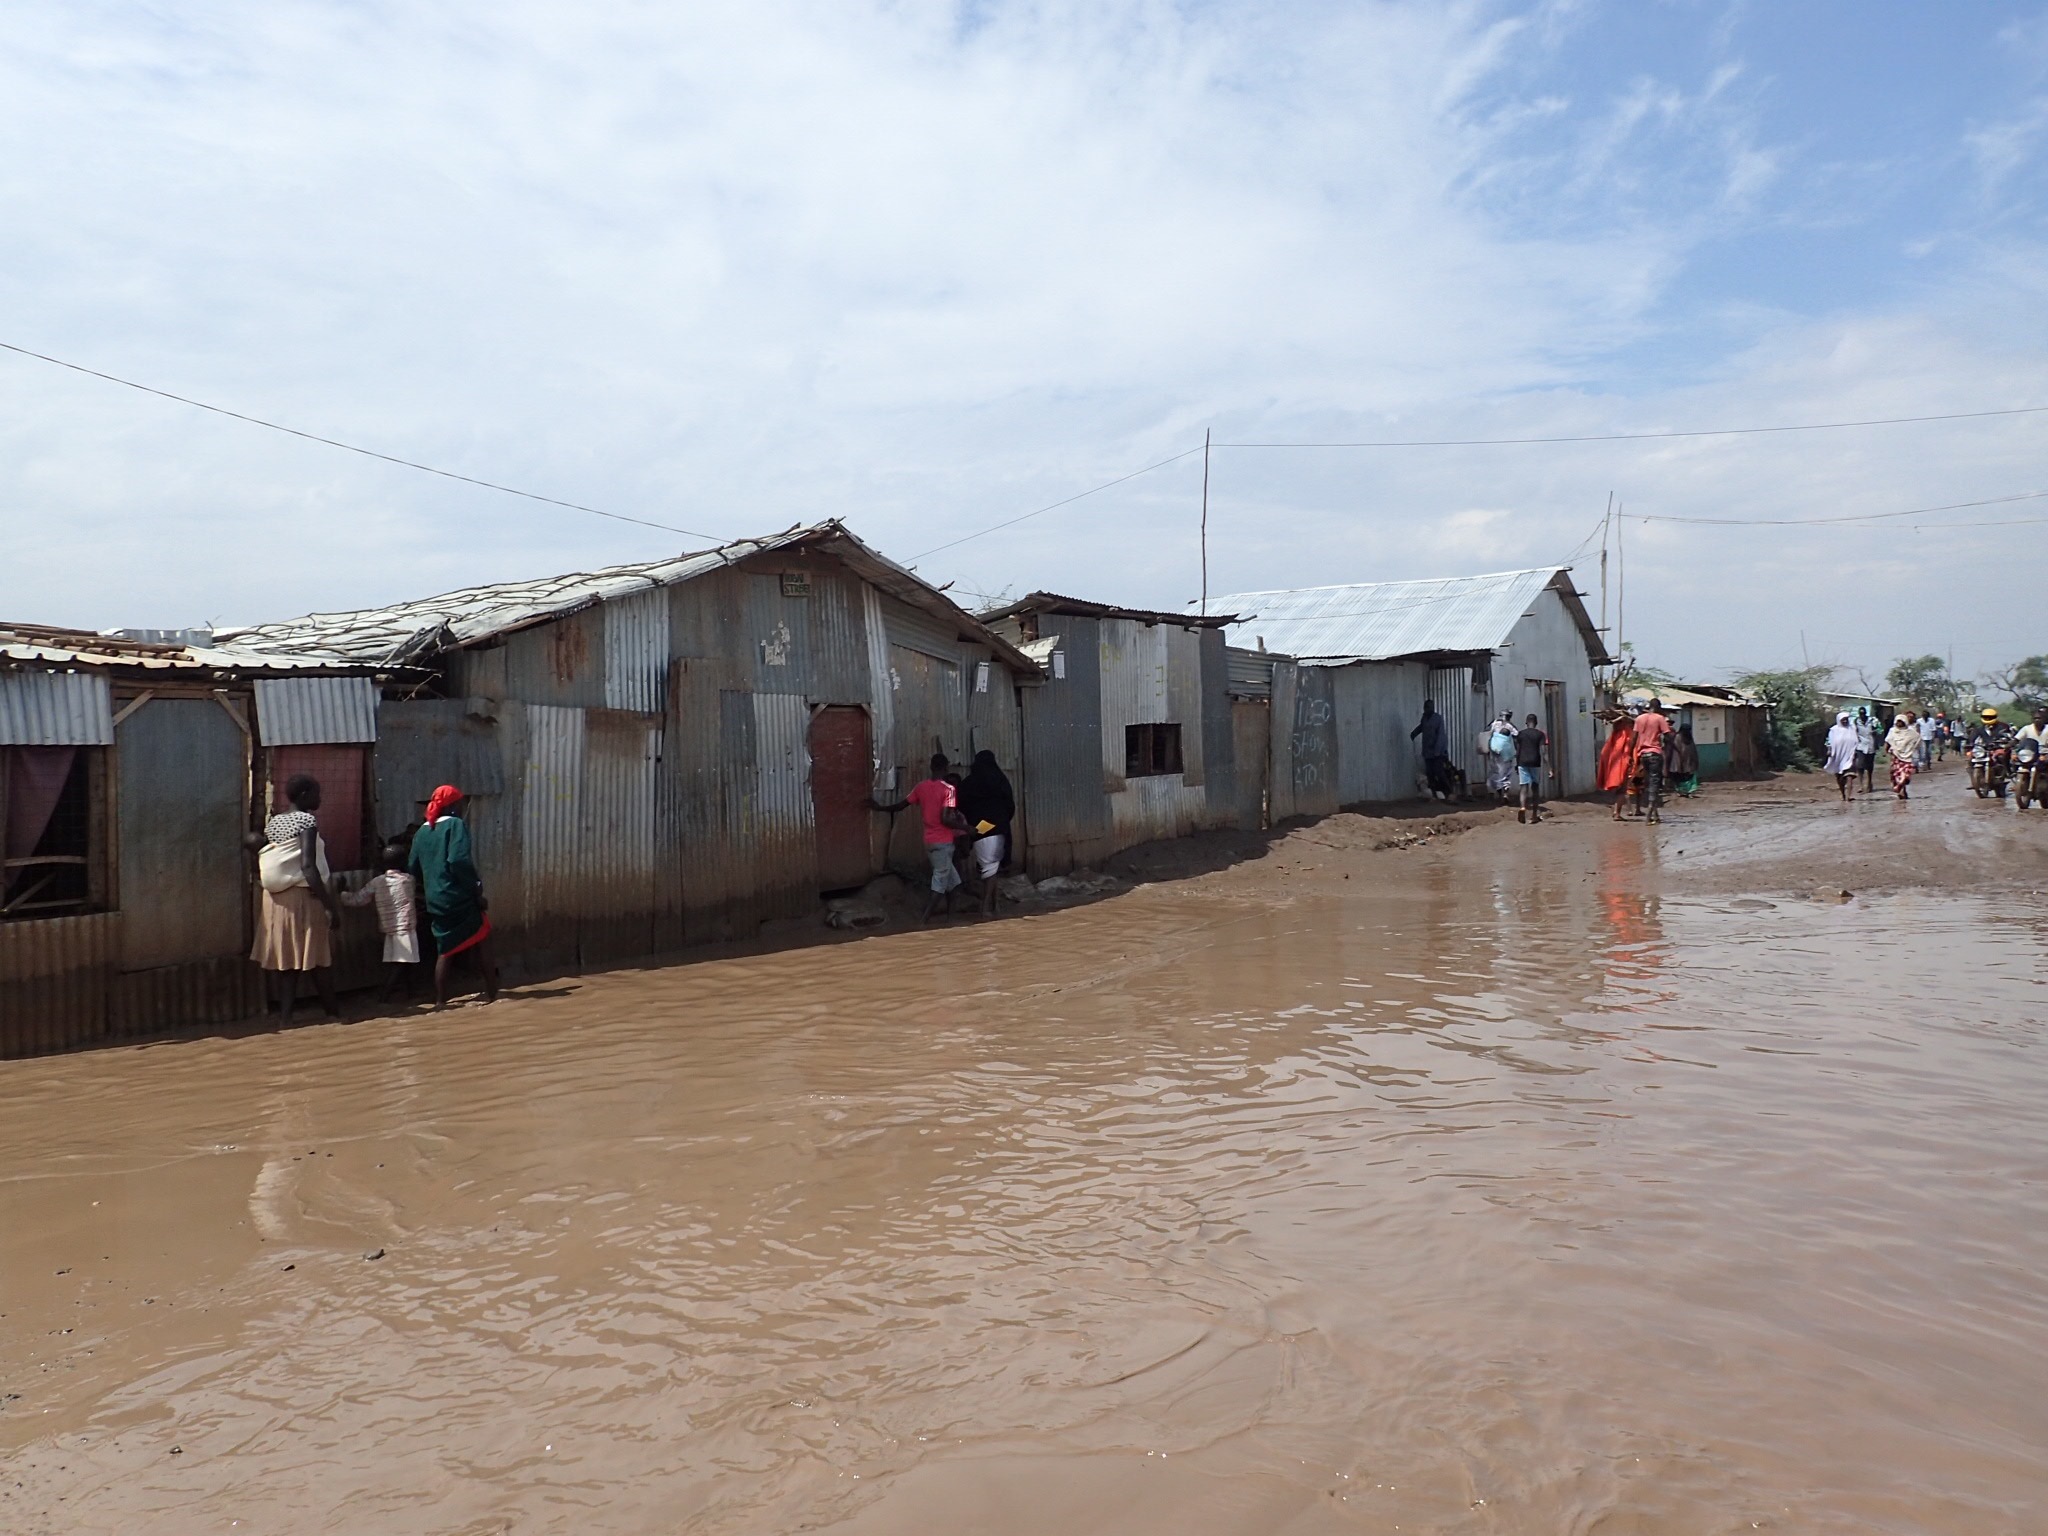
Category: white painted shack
[1359,660]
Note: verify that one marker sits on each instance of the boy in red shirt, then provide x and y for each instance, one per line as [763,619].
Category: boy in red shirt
[937,803]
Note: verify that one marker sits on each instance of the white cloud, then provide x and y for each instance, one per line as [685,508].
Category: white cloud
[731,266]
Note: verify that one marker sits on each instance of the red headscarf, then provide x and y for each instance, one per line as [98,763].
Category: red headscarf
[440,800]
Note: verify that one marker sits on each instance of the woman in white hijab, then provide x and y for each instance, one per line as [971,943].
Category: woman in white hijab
[1842,753]
[1902,741]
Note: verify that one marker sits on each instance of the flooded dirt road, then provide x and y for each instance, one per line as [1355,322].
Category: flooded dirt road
[1529,1181]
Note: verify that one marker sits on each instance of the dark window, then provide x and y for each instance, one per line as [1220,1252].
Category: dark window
[55,831]
[1151,750]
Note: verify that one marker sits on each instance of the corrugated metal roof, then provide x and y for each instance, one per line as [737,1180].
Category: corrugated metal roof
[86,652]
[1081,607]
[405,631]
[56,709]
[1674,694]
[315,711]
[1378,621]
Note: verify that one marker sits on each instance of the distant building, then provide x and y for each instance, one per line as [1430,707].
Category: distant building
[1359,660]
[1129,738]
[1727,725]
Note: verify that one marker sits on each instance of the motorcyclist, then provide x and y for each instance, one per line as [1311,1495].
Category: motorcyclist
[2036,731]
[1990,730]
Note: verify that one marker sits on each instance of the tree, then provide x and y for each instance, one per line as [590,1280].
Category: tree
[1634,674]
[1795,704]
[2025,682]
[1924,683]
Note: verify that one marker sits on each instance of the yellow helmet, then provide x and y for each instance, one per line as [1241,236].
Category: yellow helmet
[1989,714]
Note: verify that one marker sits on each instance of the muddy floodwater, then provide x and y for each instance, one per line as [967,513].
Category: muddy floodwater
[1483,1187]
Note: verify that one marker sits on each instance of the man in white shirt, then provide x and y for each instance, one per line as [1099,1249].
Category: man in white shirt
[1926,725]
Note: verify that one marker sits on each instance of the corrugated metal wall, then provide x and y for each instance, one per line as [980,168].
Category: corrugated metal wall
[1151,673]
[1065,801]
[1252,726]
[185,882]
[1312,748]
[881,693]
[550,827]
[55,709]
[54,977]
[1251,673]
[1375,704]
[424,743]
[1219,738]
[992,723]
[784,838]
[1451,689]
[315,711]
[636,651]
[561,663]
[616,851]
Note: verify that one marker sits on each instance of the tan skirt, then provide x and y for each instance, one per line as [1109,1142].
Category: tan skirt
[292,932]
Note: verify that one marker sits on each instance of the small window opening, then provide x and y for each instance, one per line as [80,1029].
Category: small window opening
[51,861]
[1151,750]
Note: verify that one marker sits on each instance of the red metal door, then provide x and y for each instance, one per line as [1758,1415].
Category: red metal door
[842,773]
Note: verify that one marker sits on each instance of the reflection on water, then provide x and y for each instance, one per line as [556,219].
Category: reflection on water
[1505,1201]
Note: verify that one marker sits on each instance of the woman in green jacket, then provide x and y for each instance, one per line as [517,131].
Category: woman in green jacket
[453,893]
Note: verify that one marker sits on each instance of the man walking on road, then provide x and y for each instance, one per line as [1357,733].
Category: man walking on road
[1652,740]
[1925,726]
[1531,745]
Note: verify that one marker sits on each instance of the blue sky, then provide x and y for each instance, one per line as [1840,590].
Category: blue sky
[927,266]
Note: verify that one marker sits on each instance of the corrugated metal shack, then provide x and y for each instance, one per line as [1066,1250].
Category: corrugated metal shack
[672,752]
[1727,725]
[129,772]
[1130,739]
[1365,657]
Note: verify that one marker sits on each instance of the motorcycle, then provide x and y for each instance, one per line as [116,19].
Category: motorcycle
[1990,768]
[2029,774]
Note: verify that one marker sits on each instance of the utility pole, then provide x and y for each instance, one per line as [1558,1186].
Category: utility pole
[1620,587]
[1605,523]
[1205,522]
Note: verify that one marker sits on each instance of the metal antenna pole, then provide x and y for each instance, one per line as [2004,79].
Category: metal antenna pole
[1605,524]
[1205,522]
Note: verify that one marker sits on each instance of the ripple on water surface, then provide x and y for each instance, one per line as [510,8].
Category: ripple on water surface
[1540,1210]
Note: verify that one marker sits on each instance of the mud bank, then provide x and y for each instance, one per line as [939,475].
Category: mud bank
[1578,1177]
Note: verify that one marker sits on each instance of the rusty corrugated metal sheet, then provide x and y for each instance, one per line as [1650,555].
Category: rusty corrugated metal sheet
[1252,727]
[219,991]
[315,711]
[636,651]
[916,631]
[54,973]
[55,709]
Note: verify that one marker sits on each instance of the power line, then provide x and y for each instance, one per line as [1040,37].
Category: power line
[368,453]
[1853,517]
[1631,437]
[1054,506]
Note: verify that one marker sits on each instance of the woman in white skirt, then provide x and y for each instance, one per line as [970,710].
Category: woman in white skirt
[296,922]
